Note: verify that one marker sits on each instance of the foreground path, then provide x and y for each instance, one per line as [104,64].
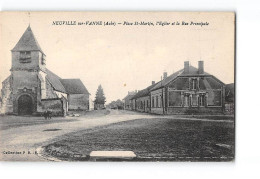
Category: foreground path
[21,143]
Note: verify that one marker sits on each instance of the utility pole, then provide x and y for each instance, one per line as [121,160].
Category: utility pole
[162,96]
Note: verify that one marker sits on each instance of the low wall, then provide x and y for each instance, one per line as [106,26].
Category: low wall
[78,102]
[53,105]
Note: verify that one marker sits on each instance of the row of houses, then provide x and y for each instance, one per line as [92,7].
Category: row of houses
[188,91]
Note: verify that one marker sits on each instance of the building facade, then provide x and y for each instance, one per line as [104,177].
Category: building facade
[31,88]
[189,91]
[142,100]
[127,100]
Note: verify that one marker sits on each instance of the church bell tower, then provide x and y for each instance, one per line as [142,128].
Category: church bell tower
[28,74]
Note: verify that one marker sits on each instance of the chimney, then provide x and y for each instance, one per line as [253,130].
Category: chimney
[201,67]
[153,82]
[186,67]
[164,75]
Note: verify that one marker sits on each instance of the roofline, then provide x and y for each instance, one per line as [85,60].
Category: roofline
[54,88]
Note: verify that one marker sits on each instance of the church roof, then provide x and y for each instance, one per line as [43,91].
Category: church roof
[74,86]
[69,86]
[27,42]
[55,81]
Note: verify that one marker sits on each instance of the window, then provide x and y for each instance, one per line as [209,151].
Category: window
[186,100]
[156,102]
[194,84]
[175,98]
[25,57]
[147,103]
[153,101]
[159,101]
[202,100]
[194,99]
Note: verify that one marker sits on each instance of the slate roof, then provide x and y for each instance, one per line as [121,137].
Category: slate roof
[69,86]
[27,42]
[192,72]
[129,96]
[144,92]
[74,86]
[55,81]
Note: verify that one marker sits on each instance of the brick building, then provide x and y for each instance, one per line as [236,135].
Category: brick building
[32,88]
[189,91]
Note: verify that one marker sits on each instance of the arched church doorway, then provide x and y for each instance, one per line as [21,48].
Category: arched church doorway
[25,105]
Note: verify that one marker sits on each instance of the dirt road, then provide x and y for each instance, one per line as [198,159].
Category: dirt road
[21,143]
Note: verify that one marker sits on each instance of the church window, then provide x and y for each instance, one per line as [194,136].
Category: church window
[43,60]
[25,57]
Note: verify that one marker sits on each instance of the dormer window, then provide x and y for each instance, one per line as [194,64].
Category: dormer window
[25,57]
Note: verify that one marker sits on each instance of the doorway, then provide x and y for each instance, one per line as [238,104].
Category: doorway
[25,105]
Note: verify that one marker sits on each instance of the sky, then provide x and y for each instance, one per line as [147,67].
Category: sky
[123,58]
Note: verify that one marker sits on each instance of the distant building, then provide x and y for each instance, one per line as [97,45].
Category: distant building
[142,100]
[32,88]
[127,100]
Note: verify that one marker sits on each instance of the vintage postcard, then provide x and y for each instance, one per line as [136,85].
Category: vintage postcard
[117,86]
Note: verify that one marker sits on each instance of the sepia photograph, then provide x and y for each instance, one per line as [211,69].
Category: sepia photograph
[117,86]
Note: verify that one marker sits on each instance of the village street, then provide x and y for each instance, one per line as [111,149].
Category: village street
[25,140]
[22,143]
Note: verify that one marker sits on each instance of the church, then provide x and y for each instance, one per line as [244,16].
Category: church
[32,89]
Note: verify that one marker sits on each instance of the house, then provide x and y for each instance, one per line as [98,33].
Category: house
[127,100]
[32,88]
[142,100]
[230,99]
[188,91]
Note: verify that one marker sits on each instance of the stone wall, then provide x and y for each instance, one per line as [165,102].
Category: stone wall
[49,91]
[6,106]
[33,63]
[78,101]
[56,106]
